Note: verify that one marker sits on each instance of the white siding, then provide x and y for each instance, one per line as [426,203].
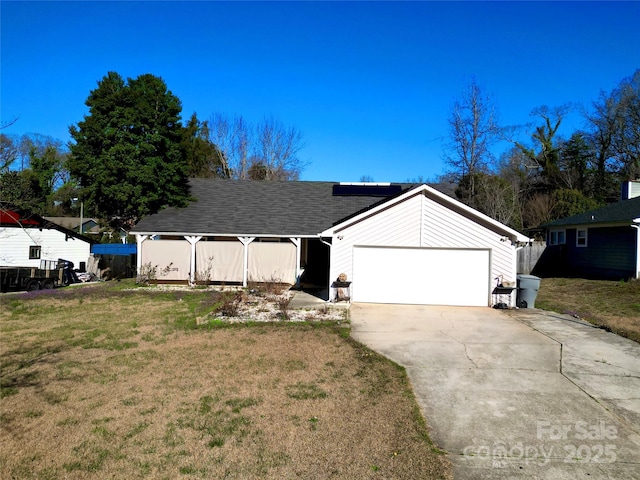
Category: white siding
[420,221]
[15,243]
[398,226]
[442,227]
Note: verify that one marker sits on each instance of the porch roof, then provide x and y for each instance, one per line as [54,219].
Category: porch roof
[262,208]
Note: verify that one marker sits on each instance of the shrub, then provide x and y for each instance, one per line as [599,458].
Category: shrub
[147,274]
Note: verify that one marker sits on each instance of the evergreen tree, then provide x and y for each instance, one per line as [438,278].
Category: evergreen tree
[127,155]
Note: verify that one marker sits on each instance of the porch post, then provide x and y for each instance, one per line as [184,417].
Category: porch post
[192,265]
[245,270]
[139,240]
[636,225]
[298,243]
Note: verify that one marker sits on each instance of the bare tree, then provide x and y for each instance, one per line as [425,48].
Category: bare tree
[9,152]
[8,123]
[233,137]
[278,147]
[473,129]
[267,150]
[614,133]
[497,198]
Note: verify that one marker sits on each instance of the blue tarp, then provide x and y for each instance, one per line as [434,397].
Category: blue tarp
[114,249]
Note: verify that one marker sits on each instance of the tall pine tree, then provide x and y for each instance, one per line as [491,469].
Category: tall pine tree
[127,154]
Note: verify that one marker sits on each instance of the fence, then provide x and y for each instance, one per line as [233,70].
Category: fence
[529,256]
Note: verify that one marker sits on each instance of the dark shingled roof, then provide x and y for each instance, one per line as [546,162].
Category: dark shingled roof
[623,211]
[244,207]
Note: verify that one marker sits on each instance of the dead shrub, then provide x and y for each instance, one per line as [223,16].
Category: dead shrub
[229,303]
[270,286]
[283,307]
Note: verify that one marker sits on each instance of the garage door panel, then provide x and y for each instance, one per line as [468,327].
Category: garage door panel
[421,276]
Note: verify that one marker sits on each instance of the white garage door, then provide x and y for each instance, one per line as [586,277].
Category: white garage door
[421,276]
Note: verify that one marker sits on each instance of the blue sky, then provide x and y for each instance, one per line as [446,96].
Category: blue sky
[369,84]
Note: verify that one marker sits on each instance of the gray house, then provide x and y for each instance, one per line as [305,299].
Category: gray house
[602,244]
[396,243]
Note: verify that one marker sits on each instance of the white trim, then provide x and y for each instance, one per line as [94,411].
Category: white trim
[550,240]
[298,243]
[637,227]
[591,225]
[37,251]
[426,189]
[139,240]
[192,262]
[232,235]
[578,238]
[366,184]
[245,269]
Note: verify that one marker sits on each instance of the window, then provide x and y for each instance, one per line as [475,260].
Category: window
[34,252]
[581,238]
[556,237]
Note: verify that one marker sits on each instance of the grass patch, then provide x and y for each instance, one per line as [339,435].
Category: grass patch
[104,382]
[305,391]
[611,305]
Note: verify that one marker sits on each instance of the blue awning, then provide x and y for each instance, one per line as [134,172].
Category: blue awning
[114,249]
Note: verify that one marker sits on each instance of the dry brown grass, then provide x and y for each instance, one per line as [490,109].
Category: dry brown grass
[107,384]
[614,306]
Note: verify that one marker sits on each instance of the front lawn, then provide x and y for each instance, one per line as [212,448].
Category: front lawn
[103,382]
[614,306]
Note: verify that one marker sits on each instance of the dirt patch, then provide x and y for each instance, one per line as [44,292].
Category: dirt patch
[149,394]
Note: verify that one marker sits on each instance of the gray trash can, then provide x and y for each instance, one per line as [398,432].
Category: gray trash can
[528,286]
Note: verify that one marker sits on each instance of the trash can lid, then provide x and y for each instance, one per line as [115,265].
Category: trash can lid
[531,277]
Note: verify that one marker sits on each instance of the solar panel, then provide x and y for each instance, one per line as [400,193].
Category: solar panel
[366,190]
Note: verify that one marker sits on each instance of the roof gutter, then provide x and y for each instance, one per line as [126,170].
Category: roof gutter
[326,243]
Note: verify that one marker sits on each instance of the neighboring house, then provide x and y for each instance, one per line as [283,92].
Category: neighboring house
[27,239]
[602,244]
[396,243]
[90,226]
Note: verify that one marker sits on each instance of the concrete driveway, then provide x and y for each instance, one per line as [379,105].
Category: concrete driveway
[518,394]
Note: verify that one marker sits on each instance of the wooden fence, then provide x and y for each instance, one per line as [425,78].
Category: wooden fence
[529,256]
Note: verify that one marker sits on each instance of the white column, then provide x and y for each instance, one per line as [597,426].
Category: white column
[245,270]
[298,243]
[192,265]
[637,227]
[139,240]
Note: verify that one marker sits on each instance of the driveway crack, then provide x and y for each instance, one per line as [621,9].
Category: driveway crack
[466,353]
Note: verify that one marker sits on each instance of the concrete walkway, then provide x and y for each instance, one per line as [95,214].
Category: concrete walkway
[521,394]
